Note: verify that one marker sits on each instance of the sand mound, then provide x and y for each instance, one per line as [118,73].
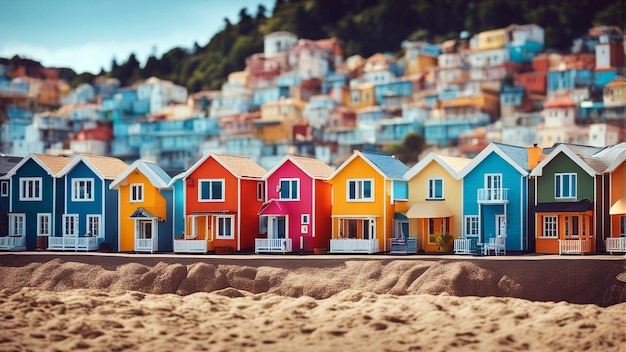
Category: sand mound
[558,281]
[234,320]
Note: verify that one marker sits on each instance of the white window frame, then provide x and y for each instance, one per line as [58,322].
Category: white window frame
[558,190]
[550,226]
[360,190]
[292,182]
[432,188]
[305,219]
[26,183]
[136,192]
[70,231]
[17,224]
[220,222]
[4,188]
[76,185]
[210,182]
[471,226]
[44,224]
[94,225]
[260,191]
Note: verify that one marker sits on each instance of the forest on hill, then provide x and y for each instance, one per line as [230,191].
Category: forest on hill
[364,27]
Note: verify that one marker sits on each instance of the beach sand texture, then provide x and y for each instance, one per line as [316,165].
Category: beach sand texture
[100,303]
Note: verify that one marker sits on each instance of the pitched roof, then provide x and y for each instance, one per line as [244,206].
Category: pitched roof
[451,164]
[518,154]
[314,167]
[514,155]
[157,177]
[7,163]
[613,156]
[239,166]
[107,168]
[387,164]
[582,160]
[52,162]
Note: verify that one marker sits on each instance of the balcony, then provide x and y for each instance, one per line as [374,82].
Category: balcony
[73,243]
[574,246]
[272,245]
[13,243]
[351,245]
[493,195]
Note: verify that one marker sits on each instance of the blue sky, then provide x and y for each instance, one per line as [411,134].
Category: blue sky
[86,35]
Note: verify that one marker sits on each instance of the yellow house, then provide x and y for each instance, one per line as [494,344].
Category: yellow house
[368,191]
[493,39]
[145,208]
[277,120]
[435,200]
[615,93]
[362,96]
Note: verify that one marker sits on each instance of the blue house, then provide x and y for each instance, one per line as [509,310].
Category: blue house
[89,214]
[569,79]
[495,195]
[36,200]
[6,164]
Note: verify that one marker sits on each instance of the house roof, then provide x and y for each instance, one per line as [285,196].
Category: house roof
[314,168]
[582,160]
[576,207]
[451,164]
[52,164]
[157,177]
[238,166]
[385,164]
[613,156]
[7,163]
[516,156]
[107,168]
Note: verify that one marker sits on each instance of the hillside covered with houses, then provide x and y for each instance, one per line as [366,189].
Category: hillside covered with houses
[305,97]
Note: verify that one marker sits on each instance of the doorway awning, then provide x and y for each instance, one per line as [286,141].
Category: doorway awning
[273,207]
[618,207]
[142,213]
[429,210]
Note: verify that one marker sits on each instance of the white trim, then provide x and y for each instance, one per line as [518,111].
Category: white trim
[569,175]
[217,229]
[140,197]
[35,181]
[307,217]
[538,170]
[74,187]
[491,148]
[4,188]
[39,218]
[433,196]
[210,181]
[99,232]
[362,197]
[75,225]
[290,181]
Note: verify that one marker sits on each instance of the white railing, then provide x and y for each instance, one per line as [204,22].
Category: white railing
[13,243]
[616,244]
[464,245]
[272,245]
[493,195]
[190,246]
[144,245]
[73,243]
[351,245]
[574,246]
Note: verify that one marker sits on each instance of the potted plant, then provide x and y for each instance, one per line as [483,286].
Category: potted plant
[444,242]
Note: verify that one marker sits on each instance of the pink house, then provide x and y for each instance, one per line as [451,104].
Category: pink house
[297,213]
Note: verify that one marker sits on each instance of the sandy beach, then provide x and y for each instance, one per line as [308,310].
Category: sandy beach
[98,302]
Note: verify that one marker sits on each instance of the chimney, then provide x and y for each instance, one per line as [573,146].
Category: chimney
[533,156]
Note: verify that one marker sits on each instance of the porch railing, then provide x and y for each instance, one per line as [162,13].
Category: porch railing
[574,246]
[352,245]
[190,246]
[73,243]
[13,243]
[465,245]
[616,244]
[272,245]
[144,245]
[493,195]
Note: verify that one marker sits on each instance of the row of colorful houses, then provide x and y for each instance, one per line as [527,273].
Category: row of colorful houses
[563,199]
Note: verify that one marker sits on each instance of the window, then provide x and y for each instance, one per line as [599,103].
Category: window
[571,226]
[435,188]
[93,225]
[70,225]
[550,227]
[4,188]
[260,191]
[289,189]
[210,190]
[30,188]
[136,192]
[471,225]
[305,219]
[17,224]
[622,225]
[82,189]
[360,190]
[225,227]
[565,186]
[43,224]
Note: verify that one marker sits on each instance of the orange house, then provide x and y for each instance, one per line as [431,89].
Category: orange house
[616,238]
[221,195]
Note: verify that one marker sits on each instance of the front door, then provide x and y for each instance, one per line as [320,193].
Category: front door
[146,230]
[277,227]
[500,225]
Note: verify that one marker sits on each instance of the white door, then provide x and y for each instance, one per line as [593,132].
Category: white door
[500,225]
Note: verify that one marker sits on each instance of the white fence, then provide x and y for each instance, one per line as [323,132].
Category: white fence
[351,245]
[190,246]
[272,245]
[73,243]
[13,243]
[464,245]
[493,195]
[145,245]
[616,244]
[574,246]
